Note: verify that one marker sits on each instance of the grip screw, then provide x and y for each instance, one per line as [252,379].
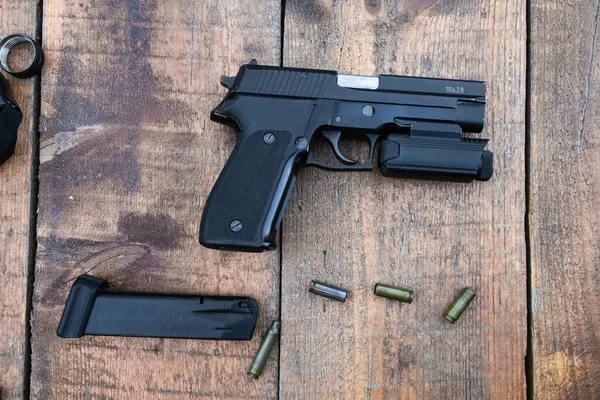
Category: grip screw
[269,138]
[235,225]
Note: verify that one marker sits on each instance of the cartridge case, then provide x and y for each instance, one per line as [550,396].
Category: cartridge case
[260,359]
[328,291]
[396,293]
[459,305]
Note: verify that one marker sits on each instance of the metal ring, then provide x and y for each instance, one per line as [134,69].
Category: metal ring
[11,41]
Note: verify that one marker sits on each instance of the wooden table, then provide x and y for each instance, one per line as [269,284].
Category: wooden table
[116,156]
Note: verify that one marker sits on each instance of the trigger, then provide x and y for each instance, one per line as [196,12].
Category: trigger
[333,137]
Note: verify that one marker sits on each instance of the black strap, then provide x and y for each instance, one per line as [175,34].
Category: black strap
[10,119]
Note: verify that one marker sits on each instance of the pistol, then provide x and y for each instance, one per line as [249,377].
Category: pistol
[278,111]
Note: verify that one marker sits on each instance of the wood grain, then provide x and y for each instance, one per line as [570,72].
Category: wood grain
[16,17]
[565,187]
[354,230]
[128,156]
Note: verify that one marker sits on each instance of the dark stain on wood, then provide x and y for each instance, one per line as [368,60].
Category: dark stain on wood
[138,10]
[384,51]
[110,156]
[373,6]
[308,10]
[419,4]
[406,357]
[124,92]
[156,230]
[426,65]
[252,48]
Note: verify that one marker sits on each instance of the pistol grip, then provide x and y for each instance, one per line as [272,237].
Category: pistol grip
[244,209]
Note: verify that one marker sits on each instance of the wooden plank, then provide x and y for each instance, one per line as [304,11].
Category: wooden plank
[16,17]
[565,187]
[128,156]
[355,230]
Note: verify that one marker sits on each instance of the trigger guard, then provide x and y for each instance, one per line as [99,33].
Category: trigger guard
[333,137]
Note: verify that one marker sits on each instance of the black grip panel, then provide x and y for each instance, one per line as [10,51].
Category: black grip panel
[254,181]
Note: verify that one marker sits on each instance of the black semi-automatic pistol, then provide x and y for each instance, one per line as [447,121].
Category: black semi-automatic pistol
[278,111]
